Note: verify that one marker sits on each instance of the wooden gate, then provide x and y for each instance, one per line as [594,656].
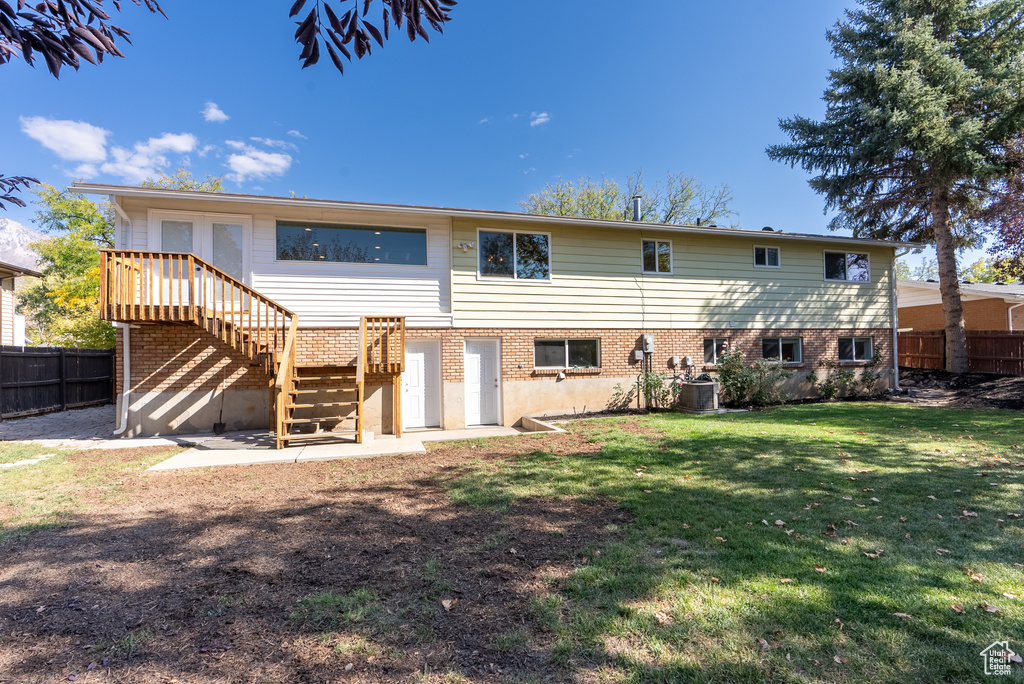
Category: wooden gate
[37,380]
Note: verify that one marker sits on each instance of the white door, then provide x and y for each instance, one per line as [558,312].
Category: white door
[421,384]
[483,380]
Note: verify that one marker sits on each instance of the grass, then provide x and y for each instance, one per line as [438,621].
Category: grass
[46,494]
[329,608]
[884,510]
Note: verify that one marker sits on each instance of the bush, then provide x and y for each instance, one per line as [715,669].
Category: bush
[839,379]
[734,375]
[756,384]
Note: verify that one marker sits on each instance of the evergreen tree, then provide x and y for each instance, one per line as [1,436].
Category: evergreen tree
[918,114]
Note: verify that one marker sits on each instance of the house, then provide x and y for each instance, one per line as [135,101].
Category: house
[12,326]
[987,306]
[335,318]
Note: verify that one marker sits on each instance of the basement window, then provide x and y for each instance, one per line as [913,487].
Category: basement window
[856,349]
[713,348]
[351,244]
[782,349]
[566,354]
[849,266]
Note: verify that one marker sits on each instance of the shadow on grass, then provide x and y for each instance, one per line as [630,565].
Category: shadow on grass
[699,582]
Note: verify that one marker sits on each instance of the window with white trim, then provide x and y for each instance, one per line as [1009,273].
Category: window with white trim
[767,257]
[657,256]
[713,348]
[856,349]
[783,349]
[518,256]
[848,266]
[566,354]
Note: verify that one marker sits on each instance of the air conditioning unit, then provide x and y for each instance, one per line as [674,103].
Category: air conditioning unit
[699,397]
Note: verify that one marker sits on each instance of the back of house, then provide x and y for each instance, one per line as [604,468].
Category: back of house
[404,317]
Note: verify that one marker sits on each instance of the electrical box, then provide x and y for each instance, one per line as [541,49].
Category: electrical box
[649,343]
[673,361]
[688,361]
[638,354]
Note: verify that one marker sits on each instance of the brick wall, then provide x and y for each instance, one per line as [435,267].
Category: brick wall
[168,357]
[979,314]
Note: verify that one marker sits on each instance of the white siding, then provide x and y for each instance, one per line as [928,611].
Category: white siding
[333,294]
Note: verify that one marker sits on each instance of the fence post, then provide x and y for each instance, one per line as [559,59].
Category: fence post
[63,380]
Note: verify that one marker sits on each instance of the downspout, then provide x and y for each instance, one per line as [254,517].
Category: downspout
[126,349]
[126,381]
[1009,316]
[896,323]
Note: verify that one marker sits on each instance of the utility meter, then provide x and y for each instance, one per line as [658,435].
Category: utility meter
[649,343]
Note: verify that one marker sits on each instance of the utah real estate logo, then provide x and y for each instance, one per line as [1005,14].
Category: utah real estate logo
[998,658]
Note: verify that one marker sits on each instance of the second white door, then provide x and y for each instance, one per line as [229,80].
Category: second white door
[483,380]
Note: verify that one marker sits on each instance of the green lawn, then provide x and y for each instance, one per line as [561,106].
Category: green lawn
[846,542]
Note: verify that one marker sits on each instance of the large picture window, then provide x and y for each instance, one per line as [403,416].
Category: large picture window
[566,354]
[847,266]
[783,349]
[520,256]
[354,244]
[856,349]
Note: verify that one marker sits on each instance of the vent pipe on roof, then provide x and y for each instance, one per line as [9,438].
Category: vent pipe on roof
[768,229]
[636,207]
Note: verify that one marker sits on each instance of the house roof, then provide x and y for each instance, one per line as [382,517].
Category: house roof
[169,194]
[11,270]
[978,290]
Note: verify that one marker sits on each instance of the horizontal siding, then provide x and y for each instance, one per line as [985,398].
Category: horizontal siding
[597,281]
[334,294]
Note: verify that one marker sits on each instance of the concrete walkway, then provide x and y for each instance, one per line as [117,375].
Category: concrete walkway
[255,448]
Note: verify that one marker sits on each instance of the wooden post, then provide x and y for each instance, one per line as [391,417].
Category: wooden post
[396,381]
[63,380]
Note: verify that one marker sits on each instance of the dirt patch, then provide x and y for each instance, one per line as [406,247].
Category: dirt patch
[966,390]
[293,572]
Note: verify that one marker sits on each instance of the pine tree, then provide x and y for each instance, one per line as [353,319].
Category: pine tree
[918,114]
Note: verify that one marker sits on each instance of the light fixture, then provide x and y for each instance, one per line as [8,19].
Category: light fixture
[316,244]
[308,230]
[376,246]
[376,232]
[464,246]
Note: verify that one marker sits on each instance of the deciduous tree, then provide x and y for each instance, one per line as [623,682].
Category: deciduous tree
[679,200]
[918,114]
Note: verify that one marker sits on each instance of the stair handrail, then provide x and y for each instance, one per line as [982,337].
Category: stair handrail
[284,384]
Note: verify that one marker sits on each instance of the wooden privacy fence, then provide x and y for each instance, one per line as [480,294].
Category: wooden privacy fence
[995,351]
[37,380]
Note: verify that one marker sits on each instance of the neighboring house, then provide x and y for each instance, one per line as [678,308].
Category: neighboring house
[12,326]
[465,317]
[987,306]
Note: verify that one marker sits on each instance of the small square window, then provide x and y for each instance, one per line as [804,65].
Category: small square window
[783,349]
[713,348]
[849,266]
[766,257]
[856,349]
[657,256]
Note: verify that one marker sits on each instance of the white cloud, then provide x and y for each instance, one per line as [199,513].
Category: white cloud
[214,114]
[70,140]
[85,171]
[515,116]
[146,159]
[205,150]
[295,134]
[270,142]
[484,120]
[524,155]
[536,119]
[254,163]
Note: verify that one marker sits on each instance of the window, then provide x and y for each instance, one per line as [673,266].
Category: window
[784,349]
[766,257]
[521,256]
[566,354]
[657,256]
[856,349]
[713,348]
[847,266]
[352,244]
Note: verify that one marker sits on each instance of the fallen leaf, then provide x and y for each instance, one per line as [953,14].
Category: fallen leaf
[989,608]
[904,616]
[1009,595]
[786,581]
[663,618]
[873,555]
[942,551]
[932,497]
[840,660]
[875,500]
[779,523]
[685,526]
[765,522]
[847,498]
[715,580]
[448,603]
[764,644]
[819,568]
[789,531]
[977,578]
[970,514]
[721,539]
[957,607]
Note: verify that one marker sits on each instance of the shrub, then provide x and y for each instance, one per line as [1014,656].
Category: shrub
[734,375]
[839,379]
[756,384]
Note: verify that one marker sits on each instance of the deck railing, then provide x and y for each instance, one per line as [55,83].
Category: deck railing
[168,287]
[383,344]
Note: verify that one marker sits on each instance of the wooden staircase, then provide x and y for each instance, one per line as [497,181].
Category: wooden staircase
[307,402]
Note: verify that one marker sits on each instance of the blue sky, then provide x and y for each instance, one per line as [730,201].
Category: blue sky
[513,95]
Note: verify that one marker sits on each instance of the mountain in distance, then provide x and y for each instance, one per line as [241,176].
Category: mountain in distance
[14,244]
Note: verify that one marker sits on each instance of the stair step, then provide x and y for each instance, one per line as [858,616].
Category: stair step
[320,435]
[330,390]
[323,404]
[322,419]
[349,378]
